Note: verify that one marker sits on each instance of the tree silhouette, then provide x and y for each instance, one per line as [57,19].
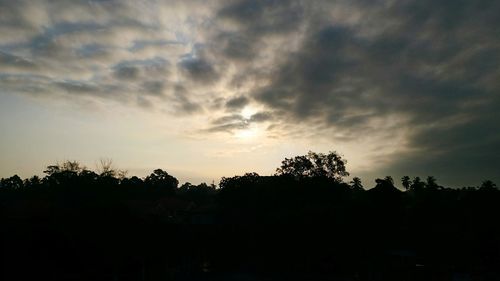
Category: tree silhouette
[431,182]
[389,179]
[14,182]
[160,179]
[64,174]
[32,183]
[488,185]
[406,182]
[248,178]
[385,184]
[141,225]
[105,168]
[356,184]
[313,164]
[417,184]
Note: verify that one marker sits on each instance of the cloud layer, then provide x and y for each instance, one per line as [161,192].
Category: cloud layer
[416,81]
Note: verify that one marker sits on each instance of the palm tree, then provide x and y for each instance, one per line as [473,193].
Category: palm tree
[417,183]
[389,179]
[356,184]
[406,182]
[431,182]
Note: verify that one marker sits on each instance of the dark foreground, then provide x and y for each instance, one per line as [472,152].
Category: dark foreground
[253,228]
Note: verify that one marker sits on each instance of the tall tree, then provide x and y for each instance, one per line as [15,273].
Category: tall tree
[313,164]
[161,179]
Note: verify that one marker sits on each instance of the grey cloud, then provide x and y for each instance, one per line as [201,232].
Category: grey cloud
[216,103]
[227,128]
[154,87]
[235,46]
[46,44]
[237,102]
[93,51]
[141,44]
[427,67]
[13,61]
[261,117]
[199,70]
[228,124]
[78,87]
[264,16]
[144,102]
[336,70]
[459,155]
[183,103]
[25,84]
[127,72]
[141,69]
[308,83]
[234,118]
[253,22]
[85,49]
[234,122]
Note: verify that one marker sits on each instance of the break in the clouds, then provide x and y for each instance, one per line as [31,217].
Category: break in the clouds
[414,84]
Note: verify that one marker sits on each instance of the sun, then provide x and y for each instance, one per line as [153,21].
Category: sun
[248,111]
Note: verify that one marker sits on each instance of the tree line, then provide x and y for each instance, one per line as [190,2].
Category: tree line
[312,165]
[306,222]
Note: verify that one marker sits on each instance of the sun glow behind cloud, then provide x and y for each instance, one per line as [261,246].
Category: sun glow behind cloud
[249,133]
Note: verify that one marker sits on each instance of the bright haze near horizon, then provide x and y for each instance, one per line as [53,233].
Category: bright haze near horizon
[205,89]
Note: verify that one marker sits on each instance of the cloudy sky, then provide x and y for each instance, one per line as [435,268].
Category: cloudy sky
[205,89]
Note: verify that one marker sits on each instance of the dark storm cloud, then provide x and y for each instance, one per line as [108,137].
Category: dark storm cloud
[255,20]
[316,80]
[427,63]
[459,155]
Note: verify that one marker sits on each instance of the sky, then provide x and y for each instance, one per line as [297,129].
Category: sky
[205,89]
